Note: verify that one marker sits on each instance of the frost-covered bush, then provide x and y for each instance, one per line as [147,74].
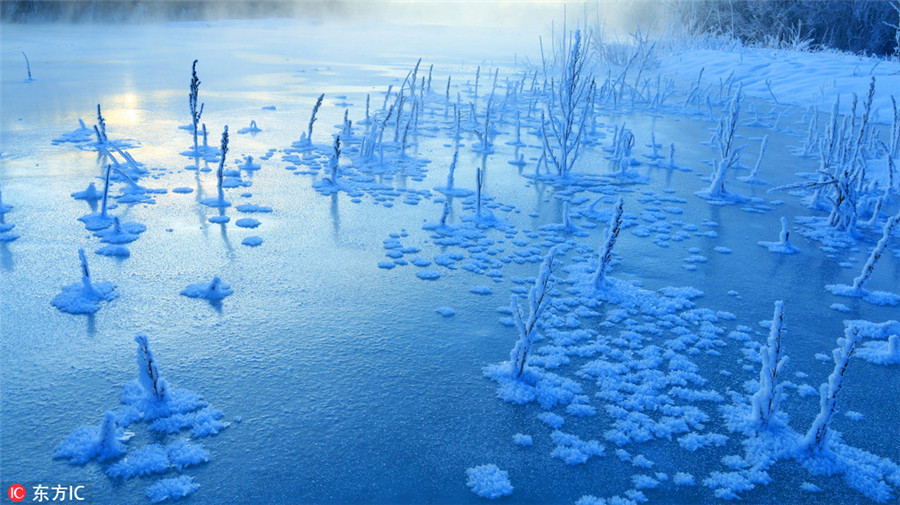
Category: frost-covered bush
[857,26]
[563,127]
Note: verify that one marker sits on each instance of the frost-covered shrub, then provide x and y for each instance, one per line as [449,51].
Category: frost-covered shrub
[562,129]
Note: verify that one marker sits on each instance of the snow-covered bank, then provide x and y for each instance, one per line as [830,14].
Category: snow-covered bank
[793,77]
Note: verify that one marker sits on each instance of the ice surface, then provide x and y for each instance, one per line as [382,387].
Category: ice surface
[634,366]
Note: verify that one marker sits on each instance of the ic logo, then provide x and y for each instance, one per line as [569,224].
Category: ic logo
[16,492]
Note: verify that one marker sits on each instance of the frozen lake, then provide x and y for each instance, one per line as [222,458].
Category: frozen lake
[339,379]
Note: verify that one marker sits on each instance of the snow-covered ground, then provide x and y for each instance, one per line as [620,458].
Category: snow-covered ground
[355,345]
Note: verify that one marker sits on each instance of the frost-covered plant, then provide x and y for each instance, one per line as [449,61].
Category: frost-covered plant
[27,67]
[85,273]
[101,124]
[754,174]
[622,154]
[615,226]
[538,299]
[220,173]
[192,102]
[444,213]
[105,199]
[452,168]
[479,181]
[895,126]
[764,402]
[485,136]
[569,107]
[724,138]
[784,245]
[335,159]
[312,119]
[89,442]
[817,436]
[154,386]
[860,282]
[84,297]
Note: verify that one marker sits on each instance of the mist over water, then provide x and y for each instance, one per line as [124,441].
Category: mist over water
[616,18]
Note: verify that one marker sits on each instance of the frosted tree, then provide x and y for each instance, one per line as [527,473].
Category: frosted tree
[818,433]
[569,107]
[764,402]
[148,375]
[192,101]
[538,299]
[615,226]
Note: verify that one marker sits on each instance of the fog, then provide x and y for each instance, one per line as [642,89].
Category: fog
[616,17]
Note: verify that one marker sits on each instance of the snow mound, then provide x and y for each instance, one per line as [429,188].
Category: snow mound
[488,481]
[214,290]
[174,489]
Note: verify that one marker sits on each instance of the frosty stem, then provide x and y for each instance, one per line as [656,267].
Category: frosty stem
[85,272]
[148,374]
[192,101]
[615,226]
[860,282]
[103,204]
[817,436]
[220,172]
[27,67]
[538,298]
[312,118]
[764,402]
